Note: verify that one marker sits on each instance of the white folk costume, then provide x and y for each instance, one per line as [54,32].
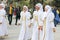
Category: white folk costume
[48,18]
[25,22]
[37,21]
[3,26]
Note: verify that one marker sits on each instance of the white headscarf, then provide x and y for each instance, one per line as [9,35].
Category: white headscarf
[2,5]
[49,11]
[49,8]
[25,7]
[40,5]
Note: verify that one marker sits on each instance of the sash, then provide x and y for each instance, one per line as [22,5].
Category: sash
[24,19]
[36,18]
[44,29]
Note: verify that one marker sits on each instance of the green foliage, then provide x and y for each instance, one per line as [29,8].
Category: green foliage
[22,3]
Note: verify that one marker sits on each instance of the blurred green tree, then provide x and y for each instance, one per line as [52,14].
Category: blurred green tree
[57,3]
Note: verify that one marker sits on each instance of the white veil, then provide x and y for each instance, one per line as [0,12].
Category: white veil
[40,5]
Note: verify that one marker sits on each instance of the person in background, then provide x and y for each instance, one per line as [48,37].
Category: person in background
[59,12]
[54,10]
[15,10]
[10,14]
[58,15]
[18,10]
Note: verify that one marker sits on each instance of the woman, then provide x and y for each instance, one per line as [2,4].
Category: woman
[48,28]
[3,26]
[25,24]
[37,22]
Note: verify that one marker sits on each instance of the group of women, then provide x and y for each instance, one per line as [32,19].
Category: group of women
[40,27]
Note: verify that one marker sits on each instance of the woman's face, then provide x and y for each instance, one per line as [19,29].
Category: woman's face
[46,9]
[24,9]
[37,8]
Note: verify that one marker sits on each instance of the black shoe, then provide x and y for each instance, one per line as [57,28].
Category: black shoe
[15,24]
[9,23]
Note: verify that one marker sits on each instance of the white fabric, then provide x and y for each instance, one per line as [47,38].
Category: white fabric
[37,15]
[25,21]
[25,7]
[37,21]
[3,26]
[41,6]
[48,29]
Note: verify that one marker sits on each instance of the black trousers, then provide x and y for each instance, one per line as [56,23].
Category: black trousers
[17,18]
[10,18]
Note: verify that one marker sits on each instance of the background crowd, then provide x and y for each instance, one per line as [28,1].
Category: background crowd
[14,11]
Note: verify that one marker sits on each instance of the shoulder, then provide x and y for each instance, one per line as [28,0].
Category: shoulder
[4,11]
[34,12]
[52,13]
[21,11]
[28,12]
[41,12]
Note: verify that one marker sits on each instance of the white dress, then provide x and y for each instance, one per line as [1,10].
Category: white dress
[48,26]
[37,21]
[5,23]
[3,26]
[25,21]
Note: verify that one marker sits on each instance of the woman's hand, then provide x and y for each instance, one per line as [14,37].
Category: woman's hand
[30,25]
[0,22]
[40,28]
[54,30]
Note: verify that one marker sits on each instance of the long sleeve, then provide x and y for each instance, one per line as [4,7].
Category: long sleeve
[52,20]
[28,18]
[40,20]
